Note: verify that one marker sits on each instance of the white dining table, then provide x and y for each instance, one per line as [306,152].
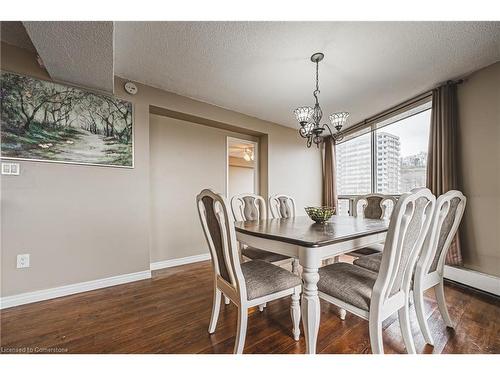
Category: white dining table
[311,243]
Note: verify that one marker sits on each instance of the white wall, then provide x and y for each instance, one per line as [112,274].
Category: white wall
[240,180]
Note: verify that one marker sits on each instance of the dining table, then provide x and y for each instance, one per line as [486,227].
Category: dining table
[312,243]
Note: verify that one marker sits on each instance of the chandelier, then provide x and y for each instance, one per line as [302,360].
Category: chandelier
[310,118]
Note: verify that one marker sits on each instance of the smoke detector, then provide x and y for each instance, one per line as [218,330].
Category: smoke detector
[131,88]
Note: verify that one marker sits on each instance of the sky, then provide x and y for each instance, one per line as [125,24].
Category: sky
[413,133]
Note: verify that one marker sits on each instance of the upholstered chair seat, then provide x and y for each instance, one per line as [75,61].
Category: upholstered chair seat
[375,296]
[263,278]
[429,271]
[348,283]
[370,262]
[249,284]
[266,256]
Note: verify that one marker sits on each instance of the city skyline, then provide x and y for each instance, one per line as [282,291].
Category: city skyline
[401,158]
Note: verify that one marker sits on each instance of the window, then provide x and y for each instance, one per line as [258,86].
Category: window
[354,166]
[402,154]
[389,158]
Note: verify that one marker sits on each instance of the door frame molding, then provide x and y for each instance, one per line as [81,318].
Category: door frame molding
[256,181]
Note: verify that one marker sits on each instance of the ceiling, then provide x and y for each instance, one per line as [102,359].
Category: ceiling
[14,33]
[76,52]
[263,69]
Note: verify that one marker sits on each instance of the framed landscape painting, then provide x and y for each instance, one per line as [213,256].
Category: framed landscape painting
[45,121]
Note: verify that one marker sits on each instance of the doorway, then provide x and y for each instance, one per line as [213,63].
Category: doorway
[242,167]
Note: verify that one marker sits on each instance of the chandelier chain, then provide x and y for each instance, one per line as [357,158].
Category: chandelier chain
[310,118]
[317,76]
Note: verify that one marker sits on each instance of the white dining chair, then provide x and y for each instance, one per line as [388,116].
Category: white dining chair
[429,272]
[282,206]
[373,206]
[246,284]
[247,207]
[375,296]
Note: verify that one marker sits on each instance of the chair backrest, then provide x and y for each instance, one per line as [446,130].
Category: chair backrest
[447,215]
[374,205]
[218,226]
[282,206]
[248,206]
[408,227]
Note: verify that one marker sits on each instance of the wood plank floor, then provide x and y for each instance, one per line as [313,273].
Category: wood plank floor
[170,313]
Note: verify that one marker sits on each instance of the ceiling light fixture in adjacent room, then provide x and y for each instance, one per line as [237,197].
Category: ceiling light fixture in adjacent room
[248,155]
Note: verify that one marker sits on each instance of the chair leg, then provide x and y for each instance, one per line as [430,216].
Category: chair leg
[262,306]
[404,324]
[296,267]
[226,300]
[418,297]
[375,328]
[215,311]
[441,301]
[342,314]
[242,330]
[295,312]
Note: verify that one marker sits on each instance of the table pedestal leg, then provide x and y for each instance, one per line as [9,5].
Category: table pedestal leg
[310,300]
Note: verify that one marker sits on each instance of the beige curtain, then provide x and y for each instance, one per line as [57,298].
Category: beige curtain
[442,155]
[329,174]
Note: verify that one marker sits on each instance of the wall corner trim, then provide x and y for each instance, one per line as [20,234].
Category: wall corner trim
[66,290]
[475,279]
[179,261]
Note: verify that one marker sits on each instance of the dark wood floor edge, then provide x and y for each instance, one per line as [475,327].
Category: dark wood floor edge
[471,288]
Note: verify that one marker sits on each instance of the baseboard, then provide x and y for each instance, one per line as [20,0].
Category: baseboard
[478,280]
[178,261]
[66,290]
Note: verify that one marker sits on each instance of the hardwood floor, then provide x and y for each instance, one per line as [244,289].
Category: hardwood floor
[170,313]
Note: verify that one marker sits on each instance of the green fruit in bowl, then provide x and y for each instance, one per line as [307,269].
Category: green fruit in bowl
[320,214]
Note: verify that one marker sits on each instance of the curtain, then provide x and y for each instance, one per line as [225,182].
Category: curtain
[442,153]
[330,197]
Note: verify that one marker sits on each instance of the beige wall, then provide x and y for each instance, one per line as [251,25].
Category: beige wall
[81,223]
[479,174]
[185,158]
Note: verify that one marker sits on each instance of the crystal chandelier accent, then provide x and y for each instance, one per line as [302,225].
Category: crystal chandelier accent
[338,119]
[309,118]
[303,115]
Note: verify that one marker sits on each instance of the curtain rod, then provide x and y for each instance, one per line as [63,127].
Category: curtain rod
[387,112]
[396,108]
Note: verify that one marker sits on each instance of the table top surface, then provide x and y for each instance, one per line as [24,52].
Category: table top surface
[301,230]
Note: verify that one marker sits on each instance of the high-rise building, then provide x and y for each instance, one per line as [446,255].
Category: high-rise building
[413,171]
[354,165]
[388,163]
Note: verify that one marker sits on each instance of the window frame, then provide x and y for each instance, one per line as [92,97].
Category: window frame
[372,126]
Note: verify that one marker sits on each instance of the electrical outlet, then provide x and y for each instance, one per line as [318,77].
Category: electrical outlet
[10,169]
[23,260]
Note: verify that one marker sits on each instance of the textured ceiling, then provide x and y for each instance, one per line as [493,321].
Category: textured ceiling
[77,52]
[263,68]
[14,33]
